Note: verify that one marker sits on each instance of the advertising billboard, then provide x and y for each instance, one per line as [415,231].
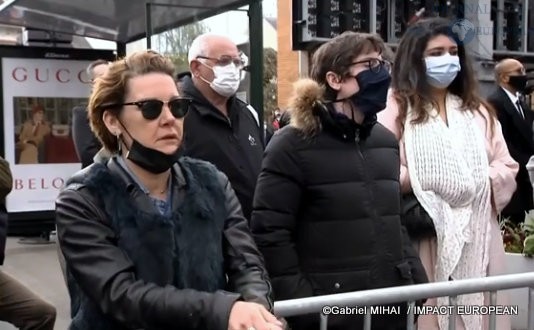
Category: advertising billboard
[38,95]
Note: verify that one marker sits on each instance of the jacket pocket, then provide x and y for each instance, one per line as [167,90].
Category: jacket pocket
[338,282]
[405,274]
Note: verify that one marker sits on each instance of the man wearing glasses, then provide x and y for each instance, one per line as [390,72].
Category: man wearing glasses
[516,119]
[219,127]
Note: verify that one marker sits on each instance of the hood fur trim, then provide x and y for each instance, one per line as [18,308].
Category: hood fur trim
[306,98]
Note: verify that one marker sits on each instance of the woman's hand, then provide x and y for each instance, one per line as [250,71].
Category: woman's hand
[252,316]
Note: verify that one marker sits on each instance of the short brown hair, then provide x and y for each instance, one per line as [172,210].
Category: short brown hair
[337,56]
[111,89]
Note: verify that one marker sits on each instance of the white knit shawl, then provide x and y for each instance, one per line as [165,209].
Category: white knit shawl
[449,175]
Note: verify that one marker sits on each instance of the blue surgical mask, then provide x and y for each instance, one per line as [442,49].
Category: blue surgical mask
[442,70]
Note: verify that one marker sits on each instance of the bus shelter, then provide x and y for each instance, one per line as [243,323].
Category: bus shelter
[125,21]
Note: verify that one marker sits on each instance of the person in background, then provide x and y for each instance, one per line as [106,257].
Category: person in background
[220,128]
[276,119]
[454,161]
[282,120]
[285,119]
[516,120]
[85,142]
[269,132]
[18,305]
[153,241]
[327,203]
[32,136]
[271,125]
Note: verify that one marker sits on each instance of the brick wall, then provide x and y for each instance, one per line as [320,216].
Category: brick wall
[288,60]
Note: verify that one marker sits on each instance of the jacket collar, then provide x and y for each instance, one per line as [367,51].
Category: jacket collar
[132,187]
[115,168]
[342,126]
[521,124]
[512,97]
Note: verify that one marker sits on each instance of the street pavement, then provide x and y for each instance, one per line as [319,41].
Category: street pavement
[37,267]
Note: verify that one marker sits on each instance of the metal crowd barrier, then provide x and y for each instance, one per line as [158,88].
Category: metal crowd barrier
[410,294]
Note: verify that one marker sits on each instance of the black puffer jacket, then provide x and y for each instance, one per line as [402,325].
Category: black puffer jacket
[327,213]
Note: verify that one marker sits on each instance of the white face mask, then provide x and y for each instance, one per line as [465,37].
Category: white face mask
[226,81]
[442,70]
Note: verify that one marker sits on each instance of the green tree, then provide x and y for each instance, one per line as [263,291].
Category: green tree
[270,86]
[175,43]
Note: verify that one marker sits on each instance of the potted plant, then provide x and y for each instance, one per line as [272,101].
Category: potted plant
[518,242]
[519,238]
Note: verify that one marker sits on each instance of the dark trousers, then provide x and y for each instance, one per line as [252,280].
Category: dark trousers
[23,308]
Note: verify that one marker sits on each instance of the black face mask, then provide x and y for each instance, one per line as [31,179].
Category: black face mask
[152,160]
[372,96]
[519,83]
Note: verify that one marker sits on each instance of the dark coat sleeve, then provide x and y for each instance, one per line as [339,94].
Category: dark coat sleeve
[85,142]
[6,179]
[6,184]
[274,218]
[244,263]
[107,276]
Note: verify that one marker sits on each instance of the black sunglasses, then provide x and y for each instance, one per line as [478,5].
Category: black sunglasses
[151,109]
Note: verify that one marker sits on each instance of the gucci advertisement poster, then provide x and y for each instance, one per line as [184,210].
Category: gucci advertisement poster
[38,98]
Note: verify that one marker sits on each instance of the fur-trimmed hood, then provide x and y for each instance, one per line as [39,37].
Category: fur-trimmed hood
[304,104]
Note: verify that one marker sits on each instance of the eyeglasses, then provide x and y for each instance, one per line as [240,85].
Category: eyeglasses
[225,60]
[151,109]
[374,64]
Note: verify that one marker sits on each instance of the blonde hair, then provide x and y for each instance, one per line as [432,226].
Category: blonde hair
[111,89]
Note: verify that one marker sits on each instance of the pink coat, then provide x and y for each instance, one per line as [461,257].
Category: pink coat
[503,170]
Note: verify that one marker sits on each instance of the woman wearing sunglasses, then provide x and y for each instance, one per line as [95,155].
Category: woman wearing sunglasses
[152,241]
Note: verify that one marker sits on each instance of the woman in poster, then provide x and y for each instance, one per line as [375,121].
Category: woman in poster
[32,135]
